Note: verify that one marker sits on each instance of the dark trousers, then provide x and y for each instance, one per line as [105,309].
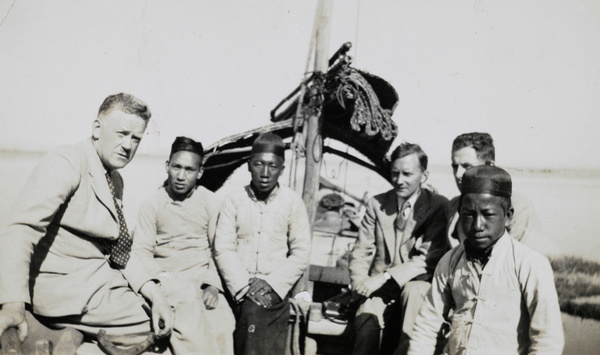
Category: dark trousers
[368,333]
[402,307]
[367,330]
[261,331]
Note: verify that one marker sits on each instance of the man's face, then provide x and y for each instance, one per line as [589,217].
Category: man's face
[265,169]
[483,218]
[183,170]
[462,159]
[407,176]
[117,137]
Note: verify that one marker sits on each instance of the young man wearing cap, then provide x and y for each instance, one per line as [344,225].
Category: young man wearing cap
[262,247]
[502,293]
[400,240]
[474,149]
[174,235]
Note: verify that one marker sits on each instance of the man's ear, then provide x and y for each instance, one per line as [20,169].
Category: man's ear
[509,216]
[200,172]
[167,166]
[425,176]
[96,128]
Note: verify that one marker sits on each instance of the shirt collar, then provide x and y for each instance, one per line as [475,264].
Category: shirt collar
[252,195]
[174,200]
[412,199]
[481,256]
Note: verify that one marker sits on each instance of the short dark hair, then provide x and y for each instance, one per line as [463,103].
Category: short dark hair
[126,103]
[482,143]
[188,145]
[406,148]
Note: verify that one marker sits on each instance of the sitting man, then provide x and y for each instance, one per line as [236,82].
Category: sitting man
[474,149]
[400,240]
[174,234]
[262,247]
[501,292]
[67,229]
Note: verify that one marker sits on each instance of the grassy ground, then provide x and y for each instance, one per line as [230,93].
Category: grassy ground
[578,286]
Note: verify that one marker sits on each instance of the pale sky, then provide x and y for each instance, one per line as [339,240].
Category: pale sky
[527,72]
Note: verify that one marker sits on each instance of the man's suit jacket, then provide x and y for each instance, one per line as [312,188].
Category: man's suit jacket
[56,231]
[374,251]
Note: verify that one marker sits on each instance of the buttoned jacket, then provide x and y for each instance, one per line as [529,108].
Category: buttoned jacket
[263,239]
[508,307]
[419,252]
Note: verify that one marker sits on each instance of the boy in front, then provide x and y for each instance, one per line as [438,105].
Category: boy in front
[501,292]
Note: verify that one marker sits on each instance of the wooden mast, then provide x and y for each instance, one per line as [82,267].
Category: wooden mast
[314,140]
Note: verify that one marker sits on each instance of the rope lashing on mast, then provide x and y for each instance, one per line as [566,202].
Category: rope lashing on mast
[349,85]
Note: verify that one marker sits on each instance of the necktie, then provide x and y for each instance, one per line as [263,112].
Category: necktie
[403,214]
[119,250]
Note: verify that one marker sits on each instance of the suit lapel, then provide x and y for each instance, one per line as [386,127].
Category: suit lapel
[98,179]
[387,216]
[421,208]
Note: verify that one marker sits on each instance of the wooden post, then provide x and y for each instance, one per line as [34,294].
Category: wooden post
[314,140]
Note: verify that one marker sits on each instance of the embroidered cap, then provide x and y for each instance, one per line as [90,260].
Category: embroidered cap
[269,143]
[487,179]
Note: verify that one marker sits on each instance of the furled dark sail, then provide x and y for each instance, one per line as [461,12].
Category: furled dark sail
[356,110]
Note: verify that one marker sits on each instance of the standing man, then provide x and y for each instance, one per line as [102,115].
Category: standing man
[501,292]
[475,149]
[174,235]
[67,229]
[262,247]
[400,241]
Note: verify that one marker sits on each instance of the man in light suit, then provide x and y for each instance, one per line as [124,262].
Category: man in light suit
[401,239]
[67,229]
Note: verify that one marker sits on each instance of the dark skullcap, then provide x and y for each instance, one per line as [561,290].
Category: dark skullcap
[188,145]
[269,143]
[486,179]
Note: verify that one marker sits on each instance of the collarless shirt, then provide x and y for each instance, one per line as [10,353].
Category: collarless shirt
[176,236]
[267,239]
[510,306]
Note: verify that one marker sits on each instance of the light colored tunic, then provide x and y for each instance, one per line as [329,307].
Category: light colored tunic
[509,307]
[173,239]
[265,239]
[175,236]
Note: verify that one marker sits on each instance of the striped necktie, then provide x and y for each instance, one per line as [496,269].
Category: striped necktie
[403,214]
[121,248]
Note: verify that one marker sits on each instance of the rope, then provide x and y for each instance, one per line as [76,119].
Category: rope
[350,85]
[300,319]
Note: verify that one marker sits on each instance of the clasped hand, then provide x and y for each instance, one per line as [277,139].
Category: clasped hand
[367,286]
[261,293]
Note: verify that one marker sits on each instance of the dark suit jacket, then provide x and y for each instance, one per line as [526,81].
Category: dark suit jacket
[62,217]
[373,252]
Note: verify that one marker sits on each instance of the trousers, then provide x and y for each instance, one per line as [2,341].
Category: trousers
[384,322]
